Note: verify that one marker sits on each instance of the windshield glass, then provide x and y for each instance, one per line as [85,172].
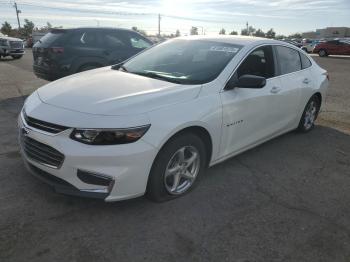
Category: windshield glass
[183,61]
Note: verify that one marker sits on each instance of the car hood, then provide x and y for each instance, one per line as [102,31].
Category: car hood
[106,91]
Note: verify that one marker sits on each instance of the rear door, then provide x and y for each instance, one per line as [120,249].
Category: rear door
[82,48]
[344,48]
[296,77]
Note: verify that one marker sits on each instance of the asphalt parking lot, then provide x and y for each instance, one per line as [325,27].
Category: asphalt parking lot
[286,200]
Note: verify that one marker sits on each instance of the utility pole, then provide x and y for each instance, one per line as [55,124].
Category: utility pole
[247,29]
[159,24]
[17,12]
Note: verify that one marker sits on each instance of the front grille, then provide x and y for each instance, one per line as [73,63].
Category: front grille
[41,153]
[42,125]
[16,44]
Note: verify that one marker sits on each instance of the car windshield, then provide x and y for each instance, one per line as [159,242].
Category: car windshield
[183,61]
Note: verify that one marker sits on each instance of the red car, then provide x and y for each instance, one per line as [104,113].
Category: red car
[333,47]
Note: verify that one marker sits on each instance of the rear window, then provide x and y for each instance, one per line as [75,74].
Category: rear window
[51,37]
[289,59]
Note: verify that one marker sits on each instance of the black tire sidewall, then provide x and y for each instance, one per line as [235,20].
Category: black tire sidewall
[156,190]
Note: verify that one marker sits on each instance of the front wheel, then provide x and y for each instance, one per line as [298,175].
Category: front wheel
[307,121]
[177,168]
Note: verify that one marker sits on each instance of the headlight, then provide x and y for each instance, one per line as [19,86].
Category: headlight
[109,136]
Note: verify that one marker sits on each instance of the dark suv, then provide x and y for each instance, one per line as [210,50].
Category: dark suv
[63,52]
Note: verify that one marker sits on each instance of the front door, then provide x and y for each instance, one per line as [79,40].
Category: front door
[252,115]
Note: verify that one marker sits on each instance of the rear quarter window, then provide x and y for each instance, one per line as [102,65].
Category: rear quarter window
[305,61]
[288,59]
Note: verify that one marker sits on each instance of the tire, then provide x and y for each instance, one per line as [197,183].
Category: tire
[16,56]
[166,169]
[86,68]
[307,120]
[322,53]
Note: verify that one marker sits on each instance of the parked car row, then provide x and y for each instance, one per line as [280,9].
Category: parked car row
[63,52]
[333,47]
[322,47]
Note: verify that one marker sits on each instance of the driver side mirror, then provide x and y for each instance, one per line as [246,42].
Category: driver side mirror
[247,81]
[251,81]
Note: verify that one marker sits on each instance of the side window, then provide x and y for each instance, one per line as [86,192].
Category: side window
[138,42]
[289,59]
[260,63]
[82,38]
[305,61]
[113,39]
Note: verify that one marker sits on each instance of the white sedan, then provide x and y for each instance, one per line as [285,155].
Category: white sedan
[153,124]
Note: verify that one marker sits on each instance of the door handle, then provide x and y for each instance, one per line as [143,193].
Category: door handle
[306,81]
[275,89]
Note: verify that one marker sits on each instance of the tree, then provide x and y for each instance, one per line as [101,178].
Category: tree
[244,31]
[233,32]
[296,35]
[251,30]
[177,34]
[142,32]
[194,30]
[6,28]
[259,33]
[27,28]
[280,37]
[270,33]
[222,31]
[48,25]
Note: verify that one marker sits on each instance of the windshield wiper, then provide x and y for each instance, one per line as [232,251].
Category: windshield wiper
[157,76]
[118,66]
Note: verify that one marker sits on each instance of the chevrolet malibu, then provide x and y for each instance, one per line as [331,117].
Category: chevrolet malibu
[153,124]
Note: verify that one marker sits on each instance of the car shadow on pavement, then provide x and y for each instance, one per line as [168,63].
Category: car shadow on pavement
[285,200]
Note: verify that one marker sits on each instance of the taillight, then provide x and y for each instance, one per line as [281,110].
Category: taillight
[57,50]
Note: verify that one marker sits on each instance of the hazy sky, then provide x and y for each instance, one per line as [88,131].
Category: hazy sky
[285,16]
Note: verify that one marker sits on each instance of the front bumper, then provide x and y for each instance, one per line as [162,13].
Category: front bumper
[10,51]
[126,165]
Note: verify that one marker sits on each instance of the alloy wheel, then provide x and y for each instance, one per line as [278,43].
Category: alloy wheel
[182,170]
[310,115]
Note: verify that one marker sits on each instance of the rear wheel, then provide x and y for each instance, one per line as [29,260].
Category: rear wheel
[177,168]
[307,121]
[322,53]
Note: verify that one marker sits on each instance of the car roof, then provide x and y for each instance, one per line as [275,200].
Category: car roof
[94,28]
[231,39]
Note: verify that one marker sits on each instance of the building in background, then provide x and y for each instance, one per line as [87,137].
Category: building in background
[328,32]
